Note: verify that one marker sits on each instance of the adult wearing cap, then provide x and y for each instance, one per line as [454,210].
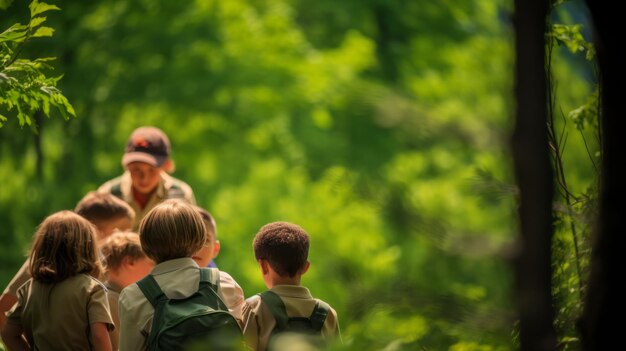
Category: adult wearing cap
[146,181]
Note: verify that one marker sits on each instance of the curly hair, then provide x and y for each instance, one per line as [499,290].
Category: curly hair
[284,245]
[119,246]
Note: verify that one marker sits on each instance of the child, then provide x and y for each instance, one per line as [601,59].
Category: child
[282,250]
[204,257]
[63,307]
[105,211]
[125,263]
[170,234]
[146,181]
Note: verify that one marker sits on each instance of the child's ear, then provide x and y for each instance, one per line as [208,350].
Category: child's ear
[305,268]
[127,261]
[265,266]
[216,248]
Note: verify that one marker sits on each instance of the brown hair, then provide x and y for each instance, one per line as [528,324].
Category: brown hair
[172,229]
[97,207]
[209,223]
[119,246]
[284,245]
[64,246]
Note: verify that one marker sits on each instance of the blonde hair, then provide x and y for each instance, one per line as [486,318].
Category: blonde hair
[64,246]
[172,229]
[119,246]
[99,207]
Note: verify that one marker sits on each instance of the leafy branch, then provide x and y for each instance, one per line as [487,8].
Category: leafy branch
[24,85]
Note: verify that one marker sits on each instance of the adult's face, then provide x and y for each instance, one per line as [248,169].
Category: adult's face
[145,177]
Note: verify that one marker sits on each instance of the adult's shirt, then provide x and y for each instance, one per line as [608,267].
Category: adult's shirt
[168,188]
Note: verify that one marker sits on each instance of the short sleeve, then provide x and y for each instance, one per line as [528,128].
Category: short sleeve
[232,294]
[14,316]
[251,325]
[98,308]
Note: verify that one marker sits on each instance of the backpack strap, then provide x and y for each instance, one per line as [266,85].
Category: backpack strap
[151,289]
[320,312]
[277,307]
[210,285]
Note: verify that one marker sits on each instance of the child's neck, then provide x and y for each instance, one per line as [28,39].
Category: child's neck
[278,280]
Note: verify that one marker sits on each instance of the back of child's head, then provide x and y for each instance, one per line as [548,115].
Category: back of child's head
[209,223]
[172,229]
[284,245]
[120,246]
[103,208]
[211,247]
[64,246]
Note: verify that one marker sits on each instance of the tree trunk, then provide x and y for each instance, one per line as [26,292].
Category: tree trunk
[602,321]
[534,178]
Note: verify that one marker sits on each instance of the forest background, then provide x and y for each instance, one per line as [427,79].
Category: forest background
[381,127]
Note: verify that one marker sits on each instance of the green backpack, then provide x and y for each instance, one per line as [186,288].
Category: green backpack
[301,330]
[200,319]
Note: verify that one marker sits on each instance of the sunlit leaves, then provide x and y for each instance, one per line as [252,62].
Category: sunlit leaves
[37,8]
[26,87]
[572,38]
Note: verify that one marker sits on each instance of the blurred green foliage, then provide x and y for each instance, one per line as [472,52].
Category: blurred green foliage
[381,127]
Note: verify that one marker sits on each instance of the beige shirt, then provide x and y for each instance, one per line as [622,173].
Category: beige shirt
[58,316]
[259,322]
[178,279]
[163,192]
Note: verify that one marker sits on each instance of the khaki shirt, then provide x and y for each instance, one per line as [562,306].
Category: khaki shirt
[113,296]
[163,192]
[178,279]
[58,316]
[22,275]
[259,322]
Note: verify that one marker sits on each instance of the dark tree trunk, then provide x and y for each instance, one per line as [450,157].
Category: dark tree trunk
[534,178]
[602,323]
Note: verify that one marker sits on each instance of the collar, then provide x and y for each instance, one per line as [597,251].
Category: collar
[113,287]
[297,291]
[172,265]
[126,184]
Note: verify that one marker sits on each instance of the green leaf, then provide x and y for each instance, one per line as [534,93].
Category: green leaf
[37,7]
[16,32]
[37,21]
[43,32]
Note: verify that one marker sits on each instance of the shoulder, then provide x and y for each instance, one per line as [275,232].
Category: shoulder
[326,305]
[177,188]
[254,302]
[251,307]
[24,289]
[111,184]
[85,282]
[226,278]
